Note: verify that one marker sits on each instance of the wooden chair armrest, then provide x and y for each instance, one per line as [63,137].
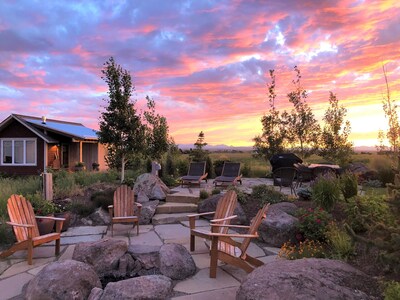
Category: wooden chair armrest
[230,226]
[138,204]
[20,225]
[123,218]
[223,219]
[238,235]
[50,218]
[201,214]
[203,176]
[110,206]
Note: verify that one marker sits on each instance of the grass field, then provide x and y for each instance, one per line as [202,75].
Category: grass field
[259,167]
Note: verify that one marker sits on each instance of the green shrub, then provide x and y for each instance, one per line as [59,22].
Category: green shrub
[267,194]
[182,167]
[246,170]
[385,175]
[103,198]
[367,209]
[82,209]
[325,191]
[348,185]
[241,197]
[341,243]
[204,194]
[170,181]
[41,207]
[215,192]
[392,290]
[313,223]
[6,233]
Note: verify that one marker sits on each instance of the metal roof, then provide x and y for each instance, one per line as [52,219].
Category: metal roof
[74,130]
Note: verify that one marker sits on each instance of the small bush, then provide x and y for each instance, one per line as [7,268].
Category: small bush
[313,223]
[215,192]
[306,249]
[367,209]
[182,167]
[325,191]
[169,180]
[82,209]
[241,197]
[342,246]
[348,185]
[392,290]
[385,175]
[103,198]
[41,207]
[204,194]
[267,194]
[246,170]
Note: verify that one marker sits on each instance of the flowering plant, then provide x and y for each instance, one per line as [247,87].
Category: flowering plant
[306,249]
[313,223]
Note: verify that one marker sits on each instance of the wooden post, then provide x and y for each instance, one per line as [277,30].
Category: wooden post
[48,186]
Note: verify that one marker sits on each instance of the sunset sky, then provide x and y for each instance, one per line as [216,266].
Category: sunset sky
[205,63]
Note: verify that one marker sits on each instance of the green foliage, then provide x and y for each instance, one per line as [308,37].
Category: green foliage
[82,209]
[267,194]
[156,132]
[340,242]
[209,167]
[170,165]
[392,290]
[121,128]
[334,144]
[41,207]
[272,138]
[326,191]
[348,185]
[103,198]
[313,223]
[198,153]
[218,165]
[385,174]
[306,249]
[204,194]
[246,170]
[182,167]
[65,185]
[241,197]
[215,192]
[169,180]
[6,233]
[367,209]
[302,127]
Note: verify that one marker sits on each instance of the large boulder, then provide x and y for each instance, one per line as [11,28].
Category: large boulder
[69,279]
[362,171]
[210,204]
[103,255]
[147,255]
[307,279]
[176,262]
[144,287]
[279,226]
[148,211]
[152,186]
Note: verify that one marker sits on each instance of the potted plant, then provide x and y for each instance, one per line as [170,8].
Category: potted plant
[43,208]
[62,210]
[80,166]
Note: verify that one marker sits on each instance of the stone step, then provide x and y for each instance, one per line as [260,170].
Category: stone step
[183,198]
[159,219]
[173,207]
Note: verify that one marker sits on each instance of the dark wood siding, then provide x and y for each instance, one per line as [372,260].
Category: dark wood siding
[17,130]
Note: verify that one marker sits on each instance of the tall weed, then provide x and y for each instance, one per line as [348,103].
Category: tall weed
[342,246]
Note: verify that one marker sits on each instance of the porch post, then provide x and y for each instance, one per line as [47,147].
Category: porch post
[80,151]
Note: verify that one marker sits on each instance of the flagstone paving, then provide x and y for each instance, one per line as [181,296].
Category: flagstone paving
[15,272]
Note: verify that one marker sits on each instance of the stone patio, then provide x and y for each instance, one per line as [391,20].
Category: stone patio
[15,272]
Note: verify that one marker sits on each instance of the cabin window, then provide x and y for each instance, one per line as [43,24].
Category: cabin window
[18,152]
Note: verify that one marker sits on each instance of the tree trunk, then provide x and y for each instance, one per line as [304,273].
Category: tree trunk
[123,162]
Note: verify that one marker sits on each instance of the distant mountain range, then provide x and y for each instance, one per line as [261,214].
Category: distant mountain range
[223,147]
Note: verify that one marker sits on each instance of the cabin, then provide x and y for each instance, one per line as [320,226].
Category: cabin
[30,145]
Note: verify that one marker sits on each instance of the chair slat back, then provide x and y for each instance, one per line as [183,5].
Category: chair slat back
[225,208]
[124,199]
[197,168]
[231,169]
[255,223]
[20,211]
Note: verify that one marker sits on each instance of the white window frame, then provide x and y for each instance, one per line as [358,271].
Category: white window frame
[13,140]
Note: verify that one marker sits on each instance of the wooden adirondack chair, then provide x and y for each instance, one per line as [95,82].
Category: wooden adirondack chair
[23,221]
[224,248]
[123,210]
[222,216]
